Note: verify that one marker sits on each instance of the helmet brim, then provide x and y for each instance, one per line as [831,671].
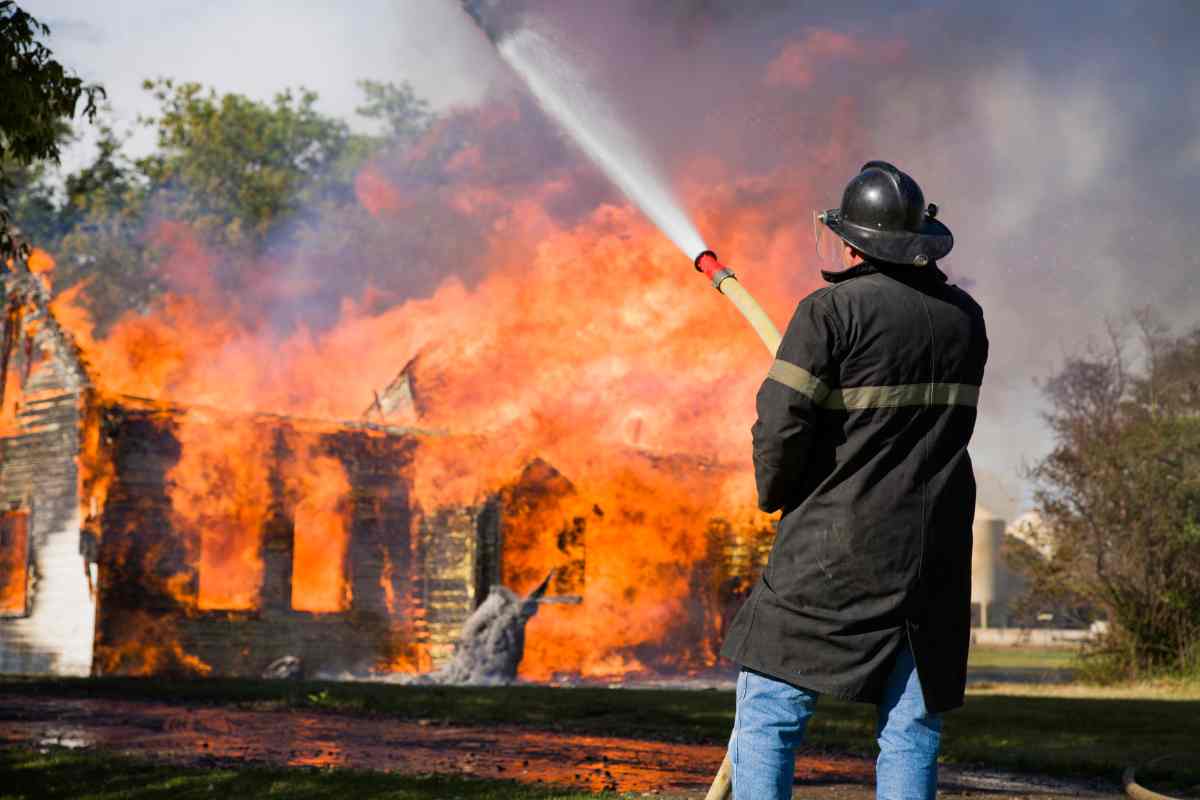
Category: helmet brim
[932,242]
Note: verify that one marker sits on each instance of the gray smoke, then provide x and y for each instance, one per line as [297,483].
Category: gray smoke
[1063,149]
[1067,172]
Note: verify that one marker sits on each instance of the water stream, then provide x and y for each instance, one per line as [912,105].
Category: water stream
[562,91]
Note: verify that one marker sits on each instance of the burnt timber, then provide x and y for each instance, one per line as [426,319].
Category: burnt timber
[99,575]
[50,629]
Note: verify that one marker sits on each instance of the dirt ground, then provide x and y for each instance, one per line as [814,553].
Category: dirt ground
[204,736]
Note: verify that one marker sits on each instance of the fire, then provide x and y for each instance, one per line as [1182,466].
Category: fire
[321,531]
[14,568]
[375,194]
[220,499]
[95,469]
[150,647]
[646,573]
[587,342]
[40,262]
[599,354]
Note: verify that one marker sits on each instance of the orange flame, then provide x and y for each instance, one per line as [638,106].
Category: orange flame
[589,344]
[321,532]
[561,361]
[375,194]
[220,498]
[14,561]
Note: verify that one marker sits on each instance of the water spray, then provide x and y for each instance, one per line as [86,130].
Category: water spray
[562,91]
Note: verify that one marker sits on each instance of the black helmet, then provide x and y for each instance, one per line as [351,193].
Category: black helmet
[884,216]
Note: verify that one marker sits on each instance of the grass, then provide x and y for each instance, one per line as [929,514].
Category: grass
[72,775]
[1059,730]
[1039,658]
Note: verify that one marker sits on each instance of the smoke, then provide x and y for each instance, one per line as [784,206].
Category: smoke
[1063,170]
[1062,152]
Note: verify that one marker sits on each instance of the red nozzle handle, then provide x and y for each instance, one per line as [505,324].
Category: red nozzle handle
[714,270]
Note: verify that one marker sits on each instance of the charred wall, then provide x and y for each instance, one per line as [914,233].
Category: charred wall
[540,526]
[454,577]
[737,555]
[41,385]
[150,565]
[123,595]
[413,575]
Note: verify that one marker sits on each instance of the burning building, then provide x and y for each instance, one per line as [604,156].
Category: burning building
[141,536]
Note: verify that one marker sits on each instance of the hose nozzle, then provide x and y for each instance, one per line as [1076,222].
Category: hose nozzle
[714,270]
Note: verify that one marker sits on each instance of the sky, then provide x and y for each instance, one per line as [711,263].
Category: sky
[1062,141]
[254,49]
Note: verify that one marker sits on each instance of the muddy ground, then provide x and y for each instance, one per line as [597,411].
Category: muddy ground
[207,736]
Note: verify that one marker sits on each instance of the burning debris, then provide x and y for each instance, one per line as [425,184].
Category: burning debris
[225,516]
[46,585]
[176,539]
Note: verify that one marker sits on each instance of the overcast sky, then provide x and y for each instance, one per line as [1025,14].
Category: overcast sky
[254,48]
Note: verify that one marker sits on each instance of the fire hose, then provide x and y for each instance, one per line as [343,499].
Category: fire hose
[725,282]
[1136,791]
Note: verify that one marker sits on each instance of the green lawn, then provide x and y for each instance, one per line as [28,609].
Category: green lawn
[1021,657]
[28,774]
[1068,731]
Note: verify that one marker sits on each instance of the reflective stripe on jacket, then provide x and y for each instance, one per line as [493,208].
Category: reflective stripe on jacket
[861,441]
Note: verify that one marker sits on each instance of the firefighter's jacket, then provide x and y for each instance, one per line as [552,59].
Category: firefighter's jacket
[861,441]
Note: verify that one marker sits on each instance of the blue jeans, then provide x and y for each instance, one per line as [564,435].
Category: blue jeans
[770,722]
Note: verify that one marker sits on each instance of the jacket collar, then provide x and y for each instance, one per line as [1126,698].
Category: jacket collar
[900,272]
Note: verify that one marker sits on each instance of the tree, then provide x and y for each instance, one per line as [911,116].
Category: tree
[31,206]
[236,171]
[99,239]
[243,175]
[39,94]
[406,115]
[234,167]
[1120,498]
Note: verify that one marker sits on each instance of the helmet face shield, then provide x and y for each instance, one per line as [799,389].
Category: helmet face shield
[883,216]
[829,245]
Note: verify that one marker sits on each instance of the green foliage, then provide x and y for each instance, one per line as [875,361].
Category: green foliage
[405,115]
[107,183]
[32,207]
[99,235]
[234,167]
[39,94]
[1120,497]
[242,175]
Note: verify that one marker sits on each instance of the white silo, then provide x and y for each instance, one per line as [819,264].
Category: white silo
[1031,529]
[986,586]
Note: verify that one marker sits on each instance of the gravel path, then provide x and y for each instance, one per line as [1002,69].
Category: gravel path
[204,736]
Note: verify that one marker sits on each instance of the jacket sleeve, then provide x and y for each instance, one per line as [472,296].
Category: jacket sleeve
[789,402]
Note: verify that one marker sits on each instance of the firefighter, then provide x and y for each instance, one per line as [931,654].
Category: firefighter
[861,442]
